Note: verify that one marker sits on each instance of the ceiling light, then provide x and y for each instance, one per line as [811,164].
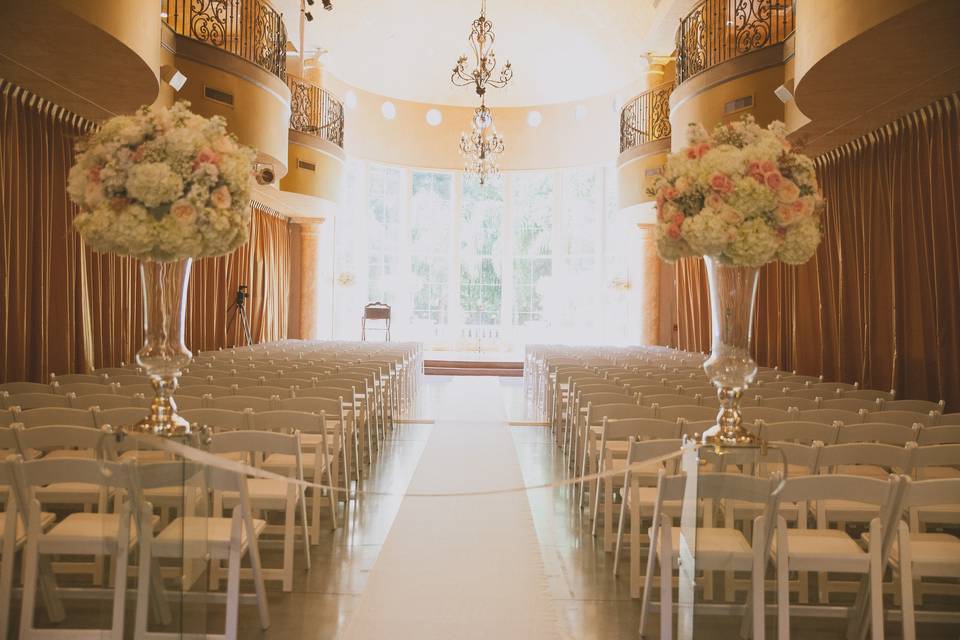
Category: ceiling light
[350,99]
[485,60]
[434,117]
[534,118]
[388,110]
[481,146]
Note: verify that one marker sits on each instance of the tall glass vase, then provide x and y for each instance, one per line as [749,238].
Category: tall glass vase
[164,354]
[733,294]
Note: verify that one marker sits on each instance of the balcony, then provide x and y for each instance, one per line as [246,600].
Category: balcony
[720,30]
[250,29]
[315,111]
[646,118]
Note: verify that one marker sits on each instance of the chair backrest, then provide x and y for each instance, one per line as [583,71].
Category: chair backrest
[871,395]
[894,434]
[833,387]
[332,408]
[236,381]
[920,406]
[346,395]
[87,388]
[645,388]
[54,437]
[142,389]
[785,403]
[714,485]
[668,400]
[925,493]
[905,418]
[282,419]
[119,416]
[106,473]
[55,415]
[265,442]
[128,379]
[939,455]
[7,417]
[241,403]
[214,390]
[602,398]
[640,428]
[217,418]
[268,391]
[802,392]
[841,487]
[106,401]
[947,419]
[948,434]
[687,412]
[72,378]
[37,400]
[597,413]
[800,431]
[767,414]
[694,428]
[16,388]
[868,453]
[850,404]
[829,416]
[185,382]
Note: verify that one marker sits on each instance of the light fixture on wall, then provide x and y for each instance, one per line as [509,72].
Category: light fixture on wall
[172,76]
[485,60]
[482,146]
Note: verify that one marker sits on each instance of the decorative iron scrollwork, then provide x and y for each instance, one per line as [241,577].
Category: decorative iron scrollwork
[315,111]
[646,118]
[718,30]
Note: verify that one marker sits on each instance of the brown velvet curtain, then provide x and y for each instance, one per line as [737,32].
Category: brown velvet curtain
[66,309]
[880,301]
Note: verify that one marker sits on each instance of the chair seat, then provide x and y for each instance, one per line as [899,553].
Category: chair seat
[283,463]
[648,498]
[46,519]
[932,554]
[824,549]
[849,510]
[84,532]
[936,473]
[264,493]
[867,470]
[194,537]
[717,548]
[82,454]
[640,469]
[68,493]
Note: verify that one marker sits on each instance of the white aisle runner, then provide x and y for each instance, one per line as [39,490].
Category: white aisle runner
[467,567]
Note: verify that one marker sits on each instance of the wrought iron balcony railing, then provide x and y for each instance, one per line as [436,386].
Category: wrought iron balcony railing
[251,29]
[315,111]
[720,30]
[646,117]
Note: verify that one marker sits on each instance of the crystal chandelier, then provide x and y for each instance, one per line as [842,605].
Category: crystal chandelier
[481,146]
[481,41]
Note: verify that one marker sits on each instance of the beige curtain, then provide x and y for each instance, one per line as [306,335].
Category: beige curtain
[880,301]
[66,309]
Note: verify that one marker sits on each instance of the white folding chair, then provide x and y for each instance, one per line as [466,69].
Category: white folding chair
[898,416]
[320,462]
[689,413]
[44,416]
[28,401]
[851,404]
[800,431]
[87,388]
[267,494]
[829,416]
[17,388]
[242,403]
[96,534]
[786,403]
[823,549]
[884,433]
[948,434]
[917,554]
[717,548]
[947,419]
[73,378]
[192,537]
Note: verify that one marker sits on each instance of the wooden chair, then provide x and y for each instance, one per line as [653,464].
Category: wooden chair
[376,311]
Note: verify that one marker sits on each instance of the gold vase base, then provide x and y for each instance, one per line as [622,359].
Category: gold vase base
[736,438]
[171,426]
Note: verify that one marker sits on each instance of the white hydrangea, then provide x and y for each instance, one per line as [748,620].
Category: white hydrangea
[163,184]
[751,198]
[800,242]
[756,244]
[708,233]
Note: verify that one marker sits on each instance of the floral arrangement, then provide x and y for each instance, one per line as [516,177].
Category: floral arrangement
[739,194]
[346,279]
[163,184]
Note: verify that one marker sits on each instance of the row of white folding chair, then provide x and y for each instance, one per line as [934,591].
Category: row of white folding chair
[130,524]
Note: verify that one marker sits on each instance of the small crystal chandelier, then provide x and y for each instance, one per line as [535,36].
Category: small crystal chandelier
[481,146]
[481,41]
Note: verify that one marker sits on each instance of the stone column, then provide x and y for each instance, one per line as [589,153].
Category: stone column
[312,287]
[649,286]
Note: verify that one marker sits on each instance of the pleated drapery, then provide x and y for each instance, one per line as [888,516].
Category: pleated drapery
[66,309]
[880,302]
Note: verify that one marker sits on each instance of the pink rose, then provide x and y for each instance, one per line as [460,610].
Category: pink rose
[673,232]
[787,192]
[696,151]
[137,154]
[721,183]
[677,219]
[182,210]
[786,215]
[714,201]
[206,156]
[773,180]
[220,197]
[94,175]
[672,193]
[117,203]
[754,167]
[768,167]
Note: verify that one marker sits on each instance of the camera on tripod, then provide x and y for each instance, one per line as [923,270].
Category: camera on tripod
[242,295]
[238,309]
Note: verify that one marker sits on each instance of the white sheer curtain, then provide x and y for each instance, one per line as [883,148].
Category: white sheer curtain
[529,256]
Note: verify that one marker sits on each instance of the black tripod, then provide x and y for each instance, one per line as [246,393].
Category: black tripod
[239,309]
